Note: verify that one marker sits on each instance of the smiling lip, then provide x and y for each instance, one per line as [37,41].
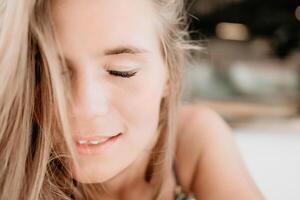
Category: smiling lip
[88,145]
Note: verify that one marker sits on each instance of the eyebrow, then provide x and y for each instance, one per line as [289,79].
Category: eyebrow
[128,49]
[124,50]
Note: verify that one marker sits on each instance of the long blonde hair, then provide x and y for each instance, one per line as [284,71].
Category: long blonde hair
[33,103]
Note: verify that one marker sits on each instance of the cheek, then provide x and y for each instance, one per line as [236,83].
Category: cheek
[142,109]
[146,111]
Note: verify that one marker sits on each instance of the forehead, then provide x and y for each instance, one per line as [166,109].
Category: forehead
[90,24]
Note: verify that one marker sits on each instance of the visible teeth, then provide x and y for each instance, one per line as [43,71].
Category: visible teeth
[82,141]
[94,142]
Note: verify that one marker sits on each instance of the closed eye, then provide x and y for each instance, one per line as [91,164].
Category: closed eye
[123,74]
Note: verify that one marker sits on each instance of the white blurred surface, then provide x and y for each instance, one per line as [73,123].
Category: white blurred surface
[273,159]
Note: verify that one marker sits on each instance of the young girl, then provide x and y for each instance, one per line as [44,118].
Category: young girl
[89,106]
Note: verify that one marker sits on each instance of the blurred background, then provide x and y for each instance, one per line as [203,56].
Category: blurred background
[249,72]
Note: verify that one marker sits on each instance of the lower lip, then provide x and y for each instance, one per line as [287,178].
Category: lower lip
[98,148]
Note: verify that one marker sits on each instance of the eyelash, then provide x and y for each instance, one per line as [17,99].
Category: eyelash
[123,74]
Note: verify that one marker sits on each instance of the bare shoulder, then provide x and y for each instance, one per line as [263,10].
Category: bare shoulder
[208,161]
[195,124]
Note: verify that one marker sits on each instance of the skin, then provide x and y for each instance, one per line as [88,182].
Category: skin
[105,104]
[214,168]
[98,36]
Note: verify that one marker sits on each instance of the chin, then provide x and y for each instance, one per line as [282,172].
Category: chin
[93,177]
[92,170]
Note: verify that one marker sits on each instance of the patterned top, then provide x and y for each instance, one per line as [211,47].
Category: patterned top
[180,195]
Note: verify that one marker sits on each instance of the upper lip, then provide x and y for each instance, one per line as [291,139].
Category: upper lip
[94,137]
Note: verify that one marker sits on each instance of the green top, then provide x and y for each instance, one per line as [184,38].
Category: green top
[180,195]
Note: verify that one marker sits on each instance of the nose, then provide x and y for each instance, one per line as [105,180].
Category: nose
[90,99]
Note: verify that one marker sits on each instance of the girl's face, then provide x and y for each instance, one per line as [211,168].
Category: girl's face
[118,79]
